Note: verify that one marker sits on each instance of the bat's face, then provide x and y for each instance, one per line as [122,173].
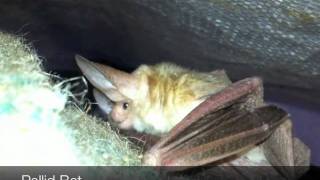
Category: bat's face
[122,114]
[115,91]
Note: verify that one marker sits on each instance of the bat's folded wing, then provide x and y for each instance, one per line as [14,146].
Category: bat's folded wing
[219,128]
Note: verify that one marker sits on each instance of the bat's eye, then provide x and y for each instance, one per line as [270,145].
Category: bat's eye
[125,106]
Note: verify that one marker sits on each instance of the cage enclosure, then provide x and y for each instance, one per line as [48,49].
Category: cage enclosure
[275,40]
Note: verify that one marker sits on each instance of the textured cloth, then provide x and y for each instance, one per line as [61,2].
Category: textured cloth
[285,32]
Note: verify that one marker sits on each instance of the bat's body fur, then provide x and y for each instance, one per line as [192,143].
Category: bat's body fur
[170,92]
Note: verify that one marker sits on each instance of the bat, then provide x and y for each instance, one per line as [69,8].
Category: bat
[200,117]
[152,99]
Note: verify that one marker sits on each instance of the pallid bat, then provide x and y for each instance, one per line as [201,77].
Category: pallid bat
[200,117]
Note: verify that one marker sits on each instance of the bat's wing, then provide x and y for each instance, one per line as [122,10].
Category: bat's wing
[224,125]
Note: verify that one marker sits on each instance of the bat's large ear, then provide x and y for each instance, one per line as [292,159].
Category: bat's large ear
[112,82]
[104,103]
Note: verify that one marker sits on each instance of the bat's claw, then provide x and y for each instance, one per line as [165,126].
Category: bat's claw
[151,159]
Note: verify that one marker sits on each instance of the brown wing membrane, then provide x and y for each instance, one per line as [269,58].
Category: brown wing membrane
[218,128]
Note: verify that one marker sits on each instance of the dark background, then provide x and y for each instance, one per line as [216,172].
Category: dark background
[125,34]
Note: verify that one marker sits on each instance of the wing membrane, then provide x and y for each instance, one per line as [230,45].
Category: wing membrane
[230,137]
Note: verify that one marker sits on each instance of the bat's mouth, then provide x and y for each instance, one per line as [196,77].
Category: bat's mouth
[123,124]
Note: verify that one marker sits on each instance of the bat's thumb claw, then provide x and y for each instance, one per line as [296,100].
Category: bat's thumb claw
[151,159]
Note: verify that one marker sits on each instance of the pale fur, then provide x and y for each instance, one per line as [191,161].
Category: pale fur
[167,93]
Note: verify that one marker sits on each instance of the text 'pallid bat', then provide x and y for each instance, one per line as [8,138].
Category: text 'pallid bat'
[200,117]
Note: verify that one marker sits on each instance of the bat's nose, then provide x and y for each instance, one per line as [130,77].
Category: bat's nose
[116,116]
